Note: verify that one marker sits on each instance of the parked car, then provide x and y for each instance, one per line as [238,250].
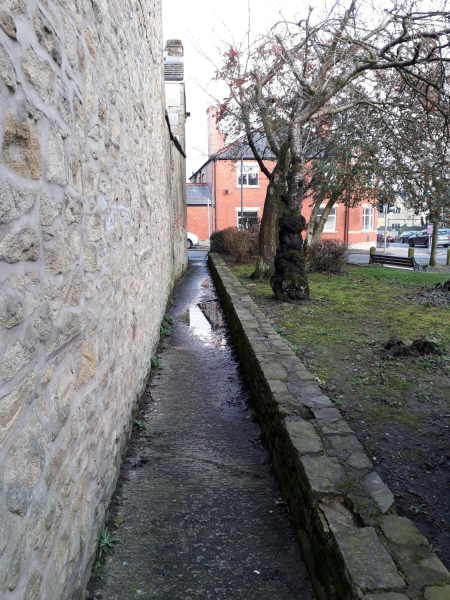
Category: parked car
[389,238]
[422,238]
[445,237]
[192,239]
[406,235]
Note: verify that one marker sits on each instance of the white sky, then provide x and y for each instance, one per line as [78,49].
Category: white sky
[201,22]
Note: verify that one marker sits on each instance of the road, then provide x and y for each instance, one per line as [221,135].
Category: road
[421,254]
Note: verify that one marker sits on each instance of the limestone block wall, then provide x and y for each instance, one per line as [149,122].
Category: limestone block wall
[92,237]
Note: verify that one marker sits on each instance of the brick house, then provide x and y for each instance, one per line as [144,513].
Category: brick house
[221,175]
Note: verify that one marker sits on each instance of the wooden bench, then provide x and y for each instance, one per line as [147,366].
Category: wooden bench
[396,261]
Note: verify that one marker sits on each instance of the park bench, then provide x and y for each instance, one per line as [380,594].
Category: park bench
[402,262]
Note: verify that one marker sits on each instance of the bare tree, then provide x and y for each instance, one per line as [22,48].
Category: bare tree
[295,78]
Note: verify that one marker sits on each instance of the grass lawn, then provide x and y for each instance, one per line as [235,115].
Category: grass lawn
[398,407]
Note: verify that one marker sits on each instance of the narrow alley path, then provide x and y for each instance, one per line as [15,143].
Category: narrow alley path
[200,511]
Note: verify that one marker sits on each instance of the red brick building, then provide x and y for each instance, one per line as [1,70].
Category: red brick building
[214,194]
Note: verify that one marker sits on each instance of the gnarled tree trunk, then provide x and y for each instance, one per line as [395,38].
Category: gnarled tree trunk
[289,282]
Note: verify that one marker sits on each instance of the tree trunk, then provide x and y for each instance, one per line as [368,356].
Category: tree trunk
[268,232]
[434,241]
[289,282]
[315,229]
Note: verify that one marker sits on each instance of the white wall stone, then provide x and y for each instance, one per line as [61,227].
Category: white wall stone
[92,238]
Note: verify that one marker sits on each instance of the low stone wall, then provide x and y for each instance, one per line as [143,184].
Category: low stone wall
[354,542]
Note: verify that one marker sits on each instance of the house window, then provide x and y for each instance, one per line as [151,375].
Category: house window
[250,175]
[330,223]
[368,218]
[249,218]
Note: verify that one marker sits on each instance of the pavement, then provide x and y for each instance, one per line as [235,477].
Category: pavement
[200,510]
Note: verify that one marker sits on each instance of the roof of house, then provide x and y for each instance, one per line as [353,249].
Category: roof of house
[239,148]
[198,195]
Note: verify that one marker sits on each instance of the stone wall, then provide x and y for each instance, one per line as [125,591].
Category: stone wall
[92,237]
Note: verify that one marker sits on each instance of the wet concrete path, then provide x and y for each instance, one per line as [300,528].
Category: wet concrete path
[199,509]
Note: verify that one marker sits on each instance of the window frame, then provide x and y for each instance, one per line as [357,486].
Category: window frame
[247,209]
[248,168]
[370,208]
[333,214]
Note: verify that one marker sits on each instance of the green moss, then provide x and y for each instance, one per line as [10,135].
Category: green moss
[348,485]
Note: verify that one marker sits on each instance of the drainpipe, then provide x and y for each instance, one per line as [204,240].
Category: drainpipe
[346,225]
[214,211]
[242,192]
[207,217]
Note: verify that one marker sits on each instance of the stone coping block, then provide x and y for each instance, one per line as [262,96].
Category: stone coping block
[355,544]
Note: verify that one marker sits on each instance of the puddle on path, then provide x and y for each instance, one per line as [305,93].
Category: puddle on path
[205,319]
[213,313]
[199,324]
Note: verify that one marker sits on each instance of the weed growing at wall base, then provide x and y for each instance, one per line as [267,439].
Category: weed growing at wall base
[166,325]
[105,546]
[156,363]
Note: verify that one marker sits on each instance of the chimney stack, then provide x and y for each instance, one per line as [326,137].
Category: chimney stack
[173,61]
[216,139]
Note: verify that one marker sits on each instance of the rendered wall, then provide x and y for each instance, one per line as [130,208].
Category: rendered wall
[92,236]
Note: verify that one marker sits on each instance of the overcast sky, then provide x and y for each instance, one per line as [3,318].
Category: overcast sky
[201,22]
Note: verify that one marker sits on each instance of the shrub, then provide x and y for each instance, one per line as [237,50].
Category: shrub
[327,256]
[217,243]
[242,244]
